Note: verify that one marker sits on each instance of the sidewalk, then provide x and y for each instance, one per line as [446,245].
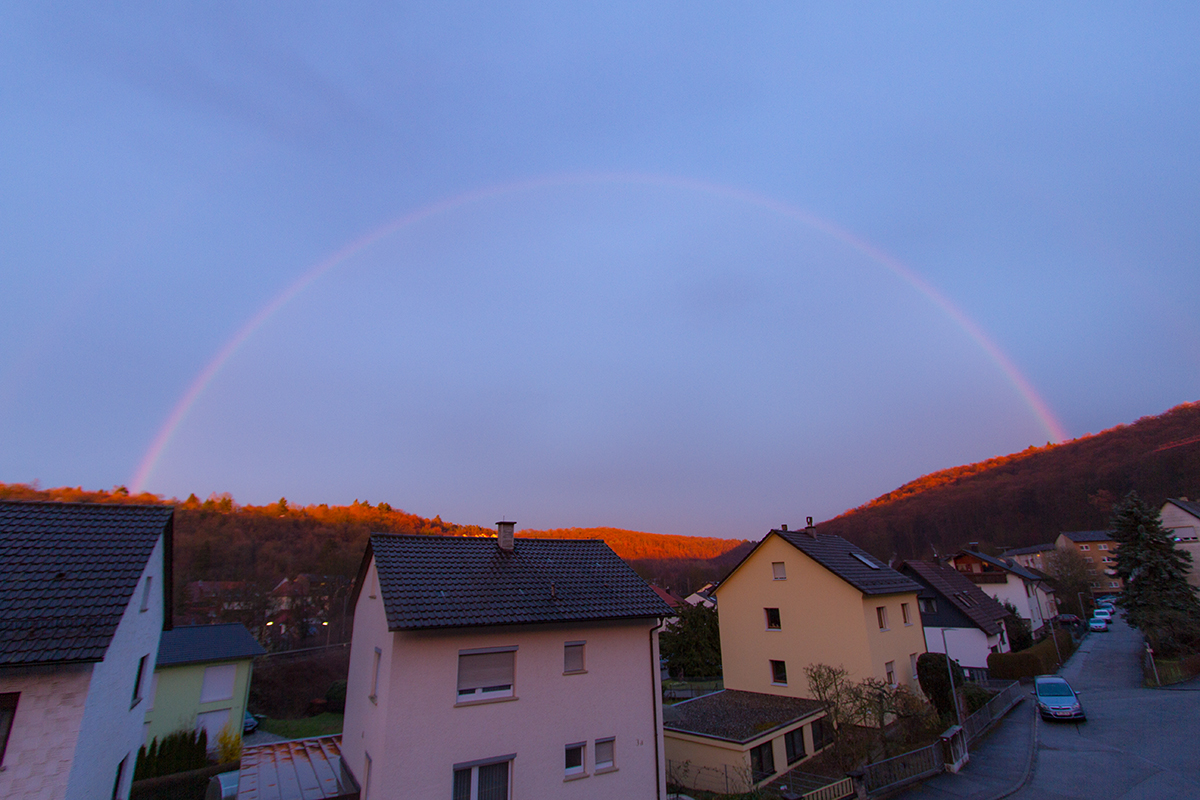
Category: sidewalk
[1002,761]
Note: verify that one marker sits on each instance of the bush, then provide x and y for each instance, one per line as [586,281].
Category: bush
[180,751]
[284,685]
[335,698]
[976,696]
[935,681]
[1041,659]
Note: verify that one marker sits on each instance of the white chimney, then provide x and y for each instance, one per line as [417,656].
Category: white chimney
[504,533]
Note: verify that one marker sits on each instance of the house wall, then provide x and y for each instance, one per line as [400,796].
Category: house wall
[1186,527]
[900,641]
[45,729]
[112,724]
[706,760]
[970,647]
[176,699]
[820,622]
[416,712]
[1095,554]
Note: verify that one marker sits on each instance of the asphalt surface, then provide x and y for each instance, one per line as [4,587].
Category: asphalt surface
[1137,743]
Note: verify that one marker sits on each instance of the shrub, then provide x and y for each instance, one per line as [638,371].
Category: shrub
[177,752]
[229,742]
[335,698]
[976,696]
[1041,659]
[935,681]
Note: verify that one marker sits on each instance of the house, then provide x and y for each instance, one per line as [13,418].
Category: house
[703,596]
[497,668]
[1099,549]
[1029,591]
[668,597]
[84,597]
[733,742]
[958,617]
[803,597]
[201,680]
[1033,557]
[1181,519]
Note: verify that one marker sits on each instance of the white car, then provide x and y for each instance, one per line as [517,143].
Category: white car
[1102,613]
[1097,624]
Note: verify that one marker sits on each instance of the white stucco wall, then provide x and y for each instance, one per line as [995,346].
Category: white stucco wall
[1014,592]
[416,731]
[41,745]
[970,647]
[112,725]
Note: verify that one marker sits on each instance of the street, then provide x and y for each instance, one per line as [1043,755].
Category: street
[1136,743]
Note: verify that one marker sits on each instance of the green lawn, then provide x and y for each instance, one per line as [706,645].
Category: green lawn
[320,725]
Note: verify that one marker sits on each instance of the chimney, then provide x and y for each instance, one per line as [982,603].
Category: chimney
[783,527]
[504,534]
[809,529]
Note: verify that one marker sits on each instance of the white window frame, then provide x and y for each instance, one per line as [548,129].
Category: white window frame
[146,593]
[580,771]
[778,619]
[138,680]
[912,659]
[889,669]
[906,614]
[881,616]
[611,764]
[374,695]
[778,571]
[582,668]
[474,767]
[774,677]
[498,691]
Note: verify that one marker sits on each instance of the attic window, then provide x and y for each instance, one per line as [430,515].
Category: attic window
[866,560]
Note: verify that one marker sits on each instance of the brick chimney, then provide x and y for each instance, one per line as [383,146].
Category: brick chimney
[504,534]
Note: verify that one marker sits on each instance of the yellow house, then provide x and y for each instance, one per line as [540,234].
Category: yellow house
[803,597]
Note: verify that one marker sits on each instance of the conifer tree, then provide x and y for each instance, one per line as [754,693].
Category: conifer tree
[1157,598]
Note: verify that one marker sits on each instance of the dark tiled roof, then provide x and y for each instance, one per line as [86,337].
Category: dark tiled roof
[968,598]
[1089,536]
[190,644]
[67,573]
[852,564]
[451,581]
[737,716]
[1026,551]
[1189,506]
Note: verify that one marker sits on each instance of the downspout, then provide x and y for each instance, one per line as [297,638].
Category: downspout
[656,698]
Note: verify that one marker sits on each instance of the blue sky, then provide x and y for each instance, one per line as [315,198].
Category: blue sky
[678,268]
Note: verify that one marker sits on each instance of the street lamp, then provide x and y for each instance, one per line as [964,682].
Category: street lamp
[328,632]
[950,672]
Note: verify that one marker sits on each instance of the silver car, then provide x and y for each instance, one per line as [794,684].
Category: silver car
[1056,699]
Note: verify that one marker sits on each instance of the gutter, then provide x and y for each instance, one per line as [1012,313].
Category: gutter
[656,698]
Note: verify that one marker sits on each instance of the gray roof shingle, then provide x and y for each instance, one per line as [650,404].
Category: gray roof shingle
[849,562]
[69,571]
[737,716]
[1190,506]
[968,598]
[1088,536]
[451,582]
[1030,550]
[191,644]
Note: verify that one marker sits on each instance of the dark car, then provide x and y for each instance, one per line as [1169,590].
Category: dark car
[1067,619]
[249,723]
[1056,699]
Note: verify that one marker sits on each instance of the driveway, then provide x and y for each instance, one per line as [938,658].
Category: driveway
[1136,743]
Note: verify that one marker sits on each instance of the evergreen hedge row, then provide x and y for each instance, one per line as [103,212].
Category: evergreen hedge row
[1041,659]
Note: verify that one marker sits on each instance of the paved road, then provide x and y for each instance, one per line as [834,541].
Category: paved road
[1137,743]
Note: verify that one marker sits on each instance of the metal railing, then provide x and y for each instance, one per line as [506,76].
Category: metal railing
[905,768]
[978,723]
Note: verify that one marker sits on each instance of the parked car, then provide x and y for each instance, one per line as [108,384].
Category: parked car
[1056,699]
[1105,613]
[249,723]
[1067,619]
[1097,624]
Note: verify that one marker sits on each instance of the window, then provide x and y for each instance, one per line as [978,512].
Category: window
[574,759]
[1112,584]
[212,722]
[762,762]
[912,660]
[482,781]
[120,775]
[146,593]
[822,734]
[778,571]
[890,670]
[573,657]
[793,742]
[485,674]
[928,605]
[366,787]
[772,619]
[8,710]
[374,695]
[1101,547]
[137,682]
[218,683]
[779,673]
[881,616]
[866,560]
[904,613]
[1084,547]
[606,754]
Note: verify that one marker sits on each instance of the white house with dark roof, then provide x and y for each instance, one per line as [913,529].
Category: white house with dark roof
[489,669]
[958,617]
[85,595]
[1181,520]
[1027,589]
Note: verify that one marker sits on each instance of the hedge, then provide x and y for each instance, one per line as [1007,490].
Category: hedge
[1041,659]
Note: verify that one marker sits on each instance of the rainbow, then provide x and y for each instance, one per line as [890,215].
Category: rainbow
[162,438]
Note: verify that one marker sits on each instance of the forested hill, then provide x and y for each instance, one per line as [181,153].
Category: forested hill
[1029,497]
[220,540]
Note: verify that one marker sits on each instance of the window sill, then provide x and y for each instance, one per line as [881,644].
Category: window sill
[575,672]
[774,630]
[373,698]
[485,701]
[777,683]
[884,630]
[605,770]
[577,777]
[908,624]
[135,703]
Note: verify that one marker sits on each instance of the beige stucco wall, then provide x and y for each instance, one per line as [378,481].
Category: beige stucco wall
[45,729]
[177,699]
[823,620]
[1095,557]
[1187,527]
[701,762]
[415,731]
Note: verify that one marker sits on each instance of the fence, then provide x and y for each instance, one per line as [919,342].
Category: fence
[687,689]
[976,724]
[730,779]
